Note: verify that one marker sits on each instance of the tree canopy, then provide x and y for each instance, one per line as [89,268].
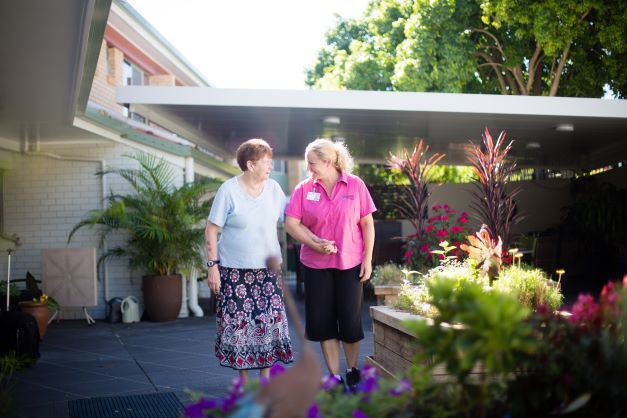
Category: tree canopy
[522,47]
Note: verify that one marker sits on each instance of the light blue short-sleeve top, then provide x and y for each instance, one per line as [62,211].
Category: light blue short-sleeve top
[249,224]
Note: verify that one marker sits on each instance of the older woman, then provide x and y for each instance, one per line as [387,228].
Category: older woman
[252,329]
[331,214]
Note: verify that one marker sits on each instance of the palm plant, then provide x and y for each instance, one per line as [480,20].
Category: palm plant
[494,205]
[163,221]
[414,201]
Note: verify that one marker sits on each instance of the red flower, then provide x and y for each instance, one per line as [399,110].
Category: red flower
[424,248]
[442,233]
[429,228]
[462,220]
[455,229]
[443,218]
[585,310]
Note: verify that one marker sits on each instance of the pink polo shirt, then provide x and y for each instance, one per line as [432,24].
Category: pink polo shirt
[335,218]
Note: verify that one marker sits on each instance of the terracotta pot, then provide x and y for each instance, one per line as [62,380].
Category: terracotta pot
[162,297]
[40,312]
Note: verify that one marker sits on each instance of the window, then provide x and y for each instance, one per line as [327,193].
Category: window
[133,75]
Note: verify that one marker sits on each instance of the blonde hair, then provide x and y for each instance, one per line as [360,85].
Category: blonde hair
[335,152]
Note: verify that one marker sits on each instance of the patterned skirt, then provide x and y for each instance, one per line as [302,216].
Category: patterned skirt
[252,330]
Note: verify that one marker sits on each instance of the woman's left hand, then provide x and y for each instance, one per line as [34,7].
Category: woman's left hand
[365,271]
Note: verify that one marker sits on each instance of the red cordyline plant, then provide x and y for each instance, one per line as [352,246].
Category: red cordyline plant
[414,202]
[494,205]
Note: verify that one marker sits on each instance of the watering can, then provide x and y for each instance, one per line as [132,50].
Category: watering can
[130,309]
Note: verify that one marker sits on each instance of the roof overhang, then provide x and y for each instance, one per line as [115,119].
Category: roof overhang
[50,51]
[594,131]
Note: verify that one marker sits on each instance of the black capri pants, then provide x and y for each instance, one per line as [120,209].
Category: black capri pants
[333,304]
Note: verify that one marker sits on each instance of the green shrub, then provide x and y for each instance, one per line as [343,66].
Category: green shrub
[531,286]
[388,274]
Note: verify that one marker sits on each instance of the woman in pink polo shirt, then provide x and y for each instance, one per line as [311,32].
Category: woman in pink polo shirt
[331,214]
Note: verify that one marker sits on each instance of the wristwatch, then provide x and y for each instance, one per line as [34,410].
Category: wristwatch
[212,263]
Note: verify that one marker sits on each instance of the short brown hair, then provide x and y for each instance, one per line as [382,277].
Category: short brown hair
[252,150]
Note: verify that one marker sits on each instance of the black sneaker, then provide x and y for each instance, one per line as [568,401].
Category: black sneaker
[353,379]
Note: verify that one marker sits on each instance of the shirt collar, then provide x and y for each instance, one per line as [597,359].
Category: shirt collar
[343,178]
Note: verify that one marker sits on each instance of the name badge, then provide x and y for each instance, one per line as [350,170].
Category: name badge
[313,196]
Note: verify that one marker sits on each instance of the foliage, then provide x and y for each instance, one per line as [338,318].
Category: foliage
[388,274]
[13,290]
[446,224]
[494,204]
[485,252]
[416,168]
[553,47]
[489,334]
[531,286]
[163,221]
[9,363]
[32,292]
[376,174]
[582,361]
[500,359]
[417,298]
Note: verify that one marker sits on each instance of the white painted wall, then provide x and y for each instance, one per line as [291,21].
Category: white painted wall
[45,197]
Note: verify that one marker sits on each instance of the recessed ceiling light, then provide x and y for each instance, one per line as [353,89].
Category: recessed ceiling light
[565,127]
[331,120]
[532,145]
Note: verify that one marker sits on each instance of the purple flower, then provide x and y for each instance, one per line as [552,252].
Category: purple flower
[403,386]
[358,414]
[329,382]
[276,370]
[370,379]
[314,411]
[195,410]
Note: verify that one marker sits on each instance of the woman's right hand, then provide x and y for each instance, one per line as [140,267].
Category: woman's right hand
[324,246]
[213,279]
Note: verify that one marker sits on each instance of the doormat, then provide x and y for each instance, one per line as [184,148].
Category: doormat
[149,405]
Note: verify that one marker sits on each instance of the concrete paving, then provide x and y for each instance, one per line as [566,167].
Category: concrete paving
[80,361]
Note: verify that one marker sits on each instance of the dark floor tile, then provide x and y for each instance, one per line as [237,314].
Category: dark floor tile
[106,387]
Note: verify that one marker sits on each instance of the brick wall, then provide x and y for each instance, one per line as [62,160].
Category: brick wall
[162,80]
[108,74]
[46,197]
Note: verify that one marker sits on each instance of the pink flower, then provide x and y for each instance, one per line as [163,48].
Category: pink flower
[429,228]
[445,206]
[463,214]
[456,229]
[443,217]
[424,248]
[462,220]
[442,233]
[408,255]
[584,310]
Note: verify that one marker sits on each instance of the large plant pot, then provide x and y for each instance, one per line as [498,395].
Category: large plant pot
[162,297]
[40,312]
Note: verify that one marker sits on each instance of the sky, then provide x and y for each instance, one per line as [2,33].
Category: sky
[248,43]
